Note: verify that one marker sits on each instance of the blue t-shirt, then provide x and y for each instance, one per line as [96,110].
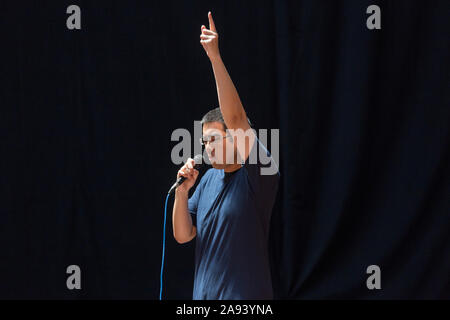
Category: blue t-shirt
[232,214]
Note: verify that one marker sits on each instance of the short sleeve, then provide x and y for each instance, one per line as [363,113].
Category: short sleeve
[193,200]
[263,172]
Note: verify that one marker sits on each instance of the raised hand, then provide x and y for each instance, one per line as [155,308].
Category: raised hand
[209,39]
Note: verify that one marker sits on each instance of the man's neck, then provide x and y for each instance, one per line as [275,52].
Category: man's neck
[232,167]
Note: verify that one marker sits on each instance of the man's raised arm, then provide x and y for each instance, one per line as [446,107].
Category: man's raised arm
[230,104]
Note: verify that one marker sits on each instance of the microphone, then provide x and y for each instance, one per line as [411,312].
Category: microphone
[197,161]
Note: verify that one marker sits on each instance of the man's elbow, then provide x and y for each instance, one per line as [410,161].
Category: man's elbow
[183,239]
[236,120]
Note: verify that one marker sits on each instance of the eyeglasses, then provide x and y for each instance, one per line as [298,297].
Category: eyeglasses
[213,139]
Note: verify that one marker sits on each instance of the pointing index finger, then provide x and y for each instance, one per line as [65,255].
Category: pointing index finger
[212,26]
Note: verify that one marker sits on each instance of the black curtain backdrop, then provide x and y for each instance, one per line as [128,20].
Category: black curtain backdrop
[86,118]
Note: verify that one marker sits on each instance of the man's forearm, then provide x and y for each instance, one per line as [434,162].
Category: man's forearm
[229,101]
[181,219]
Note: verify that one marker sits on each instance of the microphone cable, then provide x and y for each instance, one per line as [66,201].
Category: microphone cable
[163,248]
[197,160]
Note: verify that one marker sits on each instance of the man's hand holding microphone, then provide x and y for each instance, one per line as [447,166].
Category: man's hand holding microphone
[183,229]
[190,173]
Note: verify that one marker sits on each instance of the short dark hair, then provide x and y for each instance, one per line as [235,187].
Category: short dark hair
[215,115]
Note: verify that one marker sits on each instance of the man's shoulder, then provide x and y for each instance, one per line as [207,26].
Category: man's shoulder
[209,174]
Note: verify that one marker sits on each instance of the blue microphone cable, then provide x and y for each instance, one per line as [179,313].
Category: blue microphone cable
[163,248]
[197,160]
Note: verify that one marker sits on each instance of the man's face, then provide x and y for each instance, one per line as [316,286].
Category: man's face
[217,148]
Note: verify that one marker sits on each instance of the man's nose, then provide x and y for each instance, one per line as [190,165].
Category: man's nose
[208,147]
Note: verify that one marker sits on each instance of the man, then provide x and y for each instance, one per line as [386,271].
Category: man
[233,201]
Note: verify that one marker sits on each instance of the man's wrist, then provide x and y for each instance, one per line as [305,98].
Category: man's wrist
[215,59]
[181,192]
